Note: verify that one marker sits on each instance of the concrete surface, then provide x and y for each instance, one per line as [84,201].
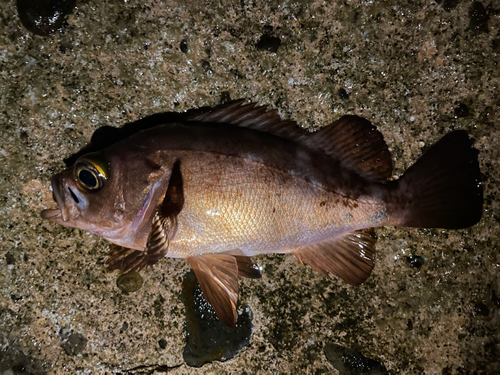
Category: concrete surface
[416,69]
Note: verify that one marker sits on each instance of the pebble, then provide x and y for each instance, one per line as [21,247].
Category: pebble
[129,282]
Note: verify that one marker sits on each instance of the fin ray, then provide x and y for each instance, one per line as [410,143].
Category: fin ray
[217,275]
[164,226]
[442,189]
[350,257]
[125,260]
[247,268]
[252,116]
[357,144]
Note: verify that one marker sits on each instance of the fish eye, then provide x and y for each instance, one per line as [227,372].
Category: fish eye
[89,174]
[88,178]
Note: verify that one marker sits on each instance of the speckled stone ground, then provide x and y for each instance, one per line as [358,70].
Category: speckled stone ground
[416,69]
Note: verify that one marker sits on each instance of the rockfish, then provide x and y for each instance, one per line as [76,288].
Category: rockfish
[222,186]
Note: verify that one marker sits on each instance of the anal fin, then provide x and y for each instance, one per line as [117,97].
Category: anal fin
[217,275]
[350,257]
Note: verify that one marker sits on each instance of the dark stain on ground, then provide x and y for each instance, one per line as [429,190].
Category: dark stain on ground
[15,359]
[478,18]
[268,42]
[351,361]
[286,306]
[290,311]
[462,110]
[124,327]
[207,338]
[183,46]
[448,5]
[481,309]
[10,258]
[415,261]
[206,67]
[162,343]
[343,94]
[44,17]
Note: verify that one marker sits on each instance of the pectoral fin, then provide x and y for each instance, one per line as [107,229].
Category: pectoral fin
[350,257]
[217,275]
[164,225]
[163,229]
[124,259]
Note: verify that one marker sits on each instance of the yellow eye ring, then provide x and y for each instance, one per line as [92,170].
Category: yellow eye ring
[88,174]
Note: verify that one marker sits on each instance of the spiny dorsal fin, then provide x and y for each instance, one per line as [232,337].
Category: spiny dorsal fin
[217,275]
[352,140]
[350,257]
[357,144]
[252,116]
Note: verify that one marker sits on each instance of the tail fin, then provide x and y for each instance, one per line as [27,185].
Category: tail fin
[442,189]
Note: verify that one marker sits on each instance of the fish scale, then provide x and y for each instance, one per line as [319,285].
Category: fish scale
[256,210]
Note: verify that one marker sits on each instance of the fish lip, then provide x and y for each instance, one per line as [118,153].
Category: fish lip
[51,214]
[58,188]
[67,210]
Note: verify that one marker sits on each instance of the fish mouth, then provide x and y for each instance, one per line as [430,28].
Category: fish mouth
[52,214]
[65,198]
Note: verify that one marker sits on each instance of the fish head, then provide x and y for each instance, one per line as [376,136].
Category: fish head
[106,194]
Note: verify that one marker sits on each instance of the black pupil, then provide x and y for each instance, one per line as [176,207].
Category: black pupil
[87,178]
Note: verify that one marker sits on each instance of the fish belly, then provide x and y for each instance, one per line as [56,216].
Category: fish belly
[242,206]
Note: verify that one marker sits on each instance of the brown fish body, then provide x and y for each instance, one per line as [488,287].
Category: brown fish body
[239,199]
[217,192]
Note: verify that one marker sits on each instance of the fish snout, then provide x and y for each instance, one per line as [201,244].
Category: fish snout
[69,198]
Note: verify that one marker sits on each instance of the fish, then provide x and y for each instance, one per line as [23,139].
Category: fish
[220,187]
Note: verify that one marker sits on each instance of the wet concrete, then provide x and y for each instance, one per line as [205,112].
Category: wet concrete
[416,69]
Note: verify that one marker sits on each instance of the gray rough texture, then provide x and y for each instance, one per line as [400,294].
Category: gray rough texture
[416,69]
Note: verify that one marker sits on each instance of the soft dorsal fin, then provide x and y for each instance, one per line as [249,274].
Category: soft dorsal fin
[217,275]
[357,144]
[350,257]
[352,140]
